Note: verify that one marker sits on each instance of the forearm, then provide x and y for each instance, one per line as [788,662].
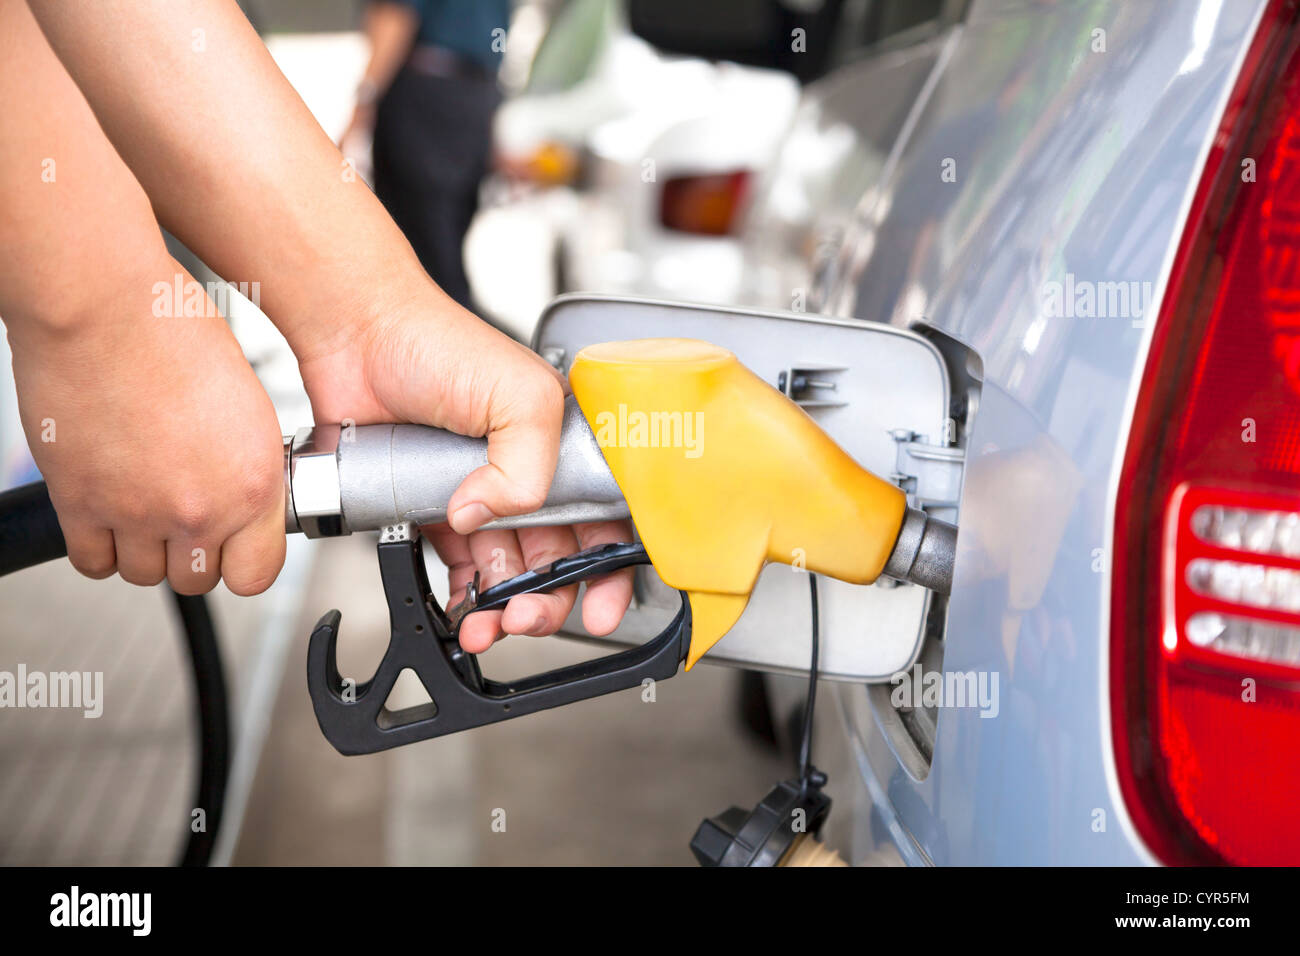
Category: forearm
[390,30]
[75,226]
[234,163]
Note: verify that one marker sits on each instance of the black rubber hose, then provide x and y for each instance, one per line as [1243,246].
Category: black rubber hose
[214,725]
[29,529]
[30,535]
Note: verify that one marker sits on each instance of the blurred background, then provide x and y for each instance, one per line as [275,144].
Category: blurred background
[668,149]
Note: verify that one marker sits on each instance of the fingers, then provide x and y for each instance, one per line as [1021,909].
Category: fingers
[253,561]
[141,559]
[499,555]
[523,445]
[496,557]
[193,567]
[608,597]
[452,548]
[480,630]
[90,549]
[251,558]
[540,614]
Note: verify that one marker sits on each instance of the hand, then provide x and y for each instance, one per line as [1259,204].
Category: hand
[356,142]
[160,448]
[362,125]
[426,360]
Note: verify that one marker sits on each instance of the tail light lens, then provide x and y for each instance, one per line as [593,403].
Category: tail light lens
[706,205]
[1205,635]
[549,164]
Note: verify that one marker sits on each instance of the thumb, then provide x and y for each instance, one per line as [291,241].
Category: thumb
[523,446]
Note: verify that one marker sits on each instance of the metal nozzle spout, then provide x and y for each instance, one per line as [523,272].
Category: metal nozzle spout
[924,552]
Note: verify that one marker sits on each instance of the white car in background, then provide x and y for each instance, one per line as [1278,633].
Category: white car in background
[623,170]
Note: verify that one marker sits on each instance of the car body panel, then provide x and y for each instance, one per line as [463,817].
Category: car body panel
[1073,165]
[839,147]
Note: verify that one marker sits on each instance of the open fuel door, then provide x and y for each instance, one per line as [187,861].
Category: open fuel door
[882,393]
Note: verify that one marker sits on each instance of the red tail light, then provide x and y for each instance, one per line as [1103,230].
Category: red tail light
[1205,631]
[707,205]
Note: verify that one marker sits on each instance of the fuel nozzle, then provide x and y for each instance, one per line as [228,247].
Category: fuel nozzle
[723,473]
[924,552]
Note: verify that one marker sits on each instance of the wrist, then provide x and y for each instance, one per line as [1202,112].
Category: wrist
[368,94]
[346,315]
[86,309]
[333,260]
[362,123]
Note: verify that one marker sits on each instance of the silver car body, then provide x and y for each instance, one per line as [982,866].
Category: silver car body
[1074,135]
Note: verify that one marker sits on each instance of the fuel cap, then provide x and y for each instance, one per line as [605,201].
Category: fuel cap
[764,835]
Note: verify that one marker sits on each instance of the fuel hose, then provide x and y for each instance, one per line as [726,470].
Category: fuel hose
[30,535]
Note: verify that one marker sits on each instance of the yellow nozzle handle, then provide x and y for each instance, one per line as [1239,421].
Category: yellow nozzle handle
[723,473]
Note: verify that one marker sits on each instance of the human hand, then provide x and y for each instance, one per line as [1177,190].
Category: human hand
[424,359]
[356,141]
[160,449]
[360,126]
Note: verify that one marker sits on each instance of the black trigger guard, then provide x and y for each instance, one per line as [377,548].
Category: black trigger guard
[353,717]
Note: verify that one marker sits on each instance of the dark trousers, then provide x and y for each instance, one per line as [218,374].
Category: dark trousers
[432,147]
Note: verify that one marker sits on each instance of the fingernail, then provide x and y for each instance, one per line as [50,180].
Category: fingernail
[539,627]
[470,517]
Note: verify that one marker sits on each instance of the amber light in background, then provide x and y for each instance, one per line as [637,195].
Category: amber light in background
[707,205]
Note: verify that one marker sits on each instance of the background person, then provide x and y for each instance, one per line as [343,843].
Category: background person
[427,98]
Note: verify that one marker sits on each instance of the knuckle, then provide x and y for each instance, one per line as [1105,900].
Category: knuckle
[548,398]
[133,511]
[191,514]
[538,401]
[527,500]
[263,489]
[97,566]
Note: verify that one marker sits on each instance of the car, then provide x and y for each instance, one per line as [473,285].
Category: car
[1087,214]
[620,169]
